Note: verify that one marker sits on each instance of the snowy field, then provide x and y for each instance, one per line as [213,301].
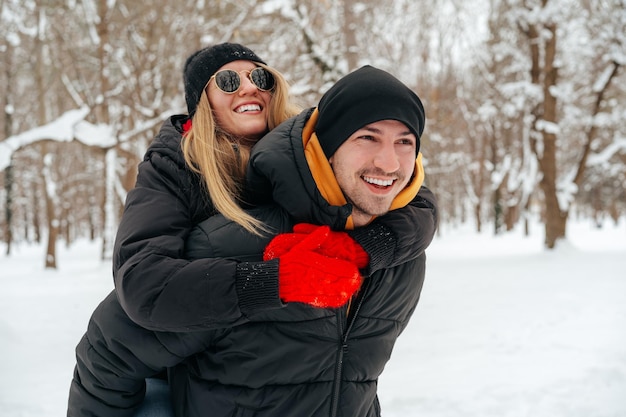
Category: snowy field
[504,328]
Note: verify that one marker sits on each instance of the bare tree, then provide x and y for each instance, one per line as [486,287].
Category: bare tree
[7,105]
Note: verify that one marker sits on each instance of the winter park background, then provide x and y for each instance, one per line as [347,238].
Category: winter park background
[525,104]
[504,328]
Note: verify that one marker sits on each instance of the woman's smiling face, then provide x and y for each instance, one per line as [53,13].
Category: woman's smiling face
[243,113]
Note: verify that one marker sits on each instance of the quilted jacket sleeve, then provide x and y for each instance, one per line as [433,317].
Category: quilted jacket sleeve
[157,287]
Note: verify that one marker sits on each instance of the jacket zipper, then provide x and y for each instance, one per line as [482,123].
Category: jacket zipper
[343,345]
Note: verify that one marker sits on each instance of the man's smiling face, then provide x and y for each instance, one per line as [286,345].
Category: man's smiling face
[373,165]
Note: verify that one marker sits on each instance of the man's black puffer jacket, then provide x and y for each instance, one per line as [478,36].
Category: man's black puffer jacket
[302,361]
[177,303]
[278,172]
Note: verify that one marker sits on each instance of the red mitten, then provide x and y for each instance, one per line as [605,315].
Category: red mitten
[338,245]
[281,244]
[308,277]
[284,242]
[306,228]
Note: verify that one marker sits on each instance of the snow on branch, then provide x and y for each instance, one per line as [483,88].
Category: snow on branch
[548,127]
[604,78]
[69,126]
[603,157]
[100,135]
[60,130]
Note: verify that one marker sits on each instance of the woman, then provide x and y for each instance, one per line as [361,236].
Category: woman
[233,98]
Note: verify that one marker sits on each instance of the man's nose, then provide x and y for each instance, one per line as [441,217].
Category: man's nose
[386,158]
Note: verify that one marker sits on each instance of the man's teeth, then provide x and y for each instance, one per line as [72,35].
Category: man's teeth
[248,107]
[375,181]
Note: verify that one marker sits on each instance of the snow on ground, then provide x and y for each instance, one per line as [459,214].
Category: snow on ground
[504,328]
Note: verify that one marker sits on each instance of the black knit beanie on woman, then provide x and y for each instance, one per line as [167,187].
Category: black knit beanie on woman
[365,96]
[202,64]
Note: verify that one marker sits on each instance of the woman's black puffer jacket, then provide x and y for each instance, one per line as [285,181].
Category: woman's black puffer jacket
[302,361]
[156,285]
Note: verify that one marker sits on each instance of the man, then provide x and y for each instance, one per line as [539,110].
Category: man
[297,345]
[345,164]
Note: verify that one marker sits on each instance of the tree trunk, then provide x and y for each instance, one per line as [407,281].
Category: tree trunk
[544,73]
[484,142]
[110,205]
[51,211]
[46,173]
[477,216]
[349,36]
[556,218]
[497,211]
[8,131]
[8,210]
[109,217]
[511,216]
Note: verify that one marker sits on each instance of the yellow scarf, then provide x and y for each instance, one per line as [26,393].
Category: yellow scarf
[327,183]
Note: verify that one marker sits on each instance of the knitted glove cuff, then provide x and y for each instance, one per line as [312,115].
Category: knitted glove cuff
[257,286]
[379,242]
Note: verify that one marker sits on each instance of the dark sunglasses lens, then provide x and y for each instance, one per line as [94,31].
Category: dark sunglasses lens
[227,81]
[262,79]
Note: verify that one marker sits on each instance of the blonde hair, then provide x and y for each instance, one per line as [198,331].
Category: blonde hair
[221,161]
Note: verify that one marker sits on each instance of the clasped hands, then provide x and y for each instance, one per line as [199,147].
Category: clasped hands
[317,266]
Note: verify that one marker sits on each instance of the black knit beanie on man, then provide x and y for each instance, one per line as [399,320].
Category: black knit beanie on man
[365,96]
[202,64]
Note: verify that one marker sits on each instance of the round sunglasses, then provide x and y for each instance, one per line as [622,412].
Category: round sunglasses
[229,81]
